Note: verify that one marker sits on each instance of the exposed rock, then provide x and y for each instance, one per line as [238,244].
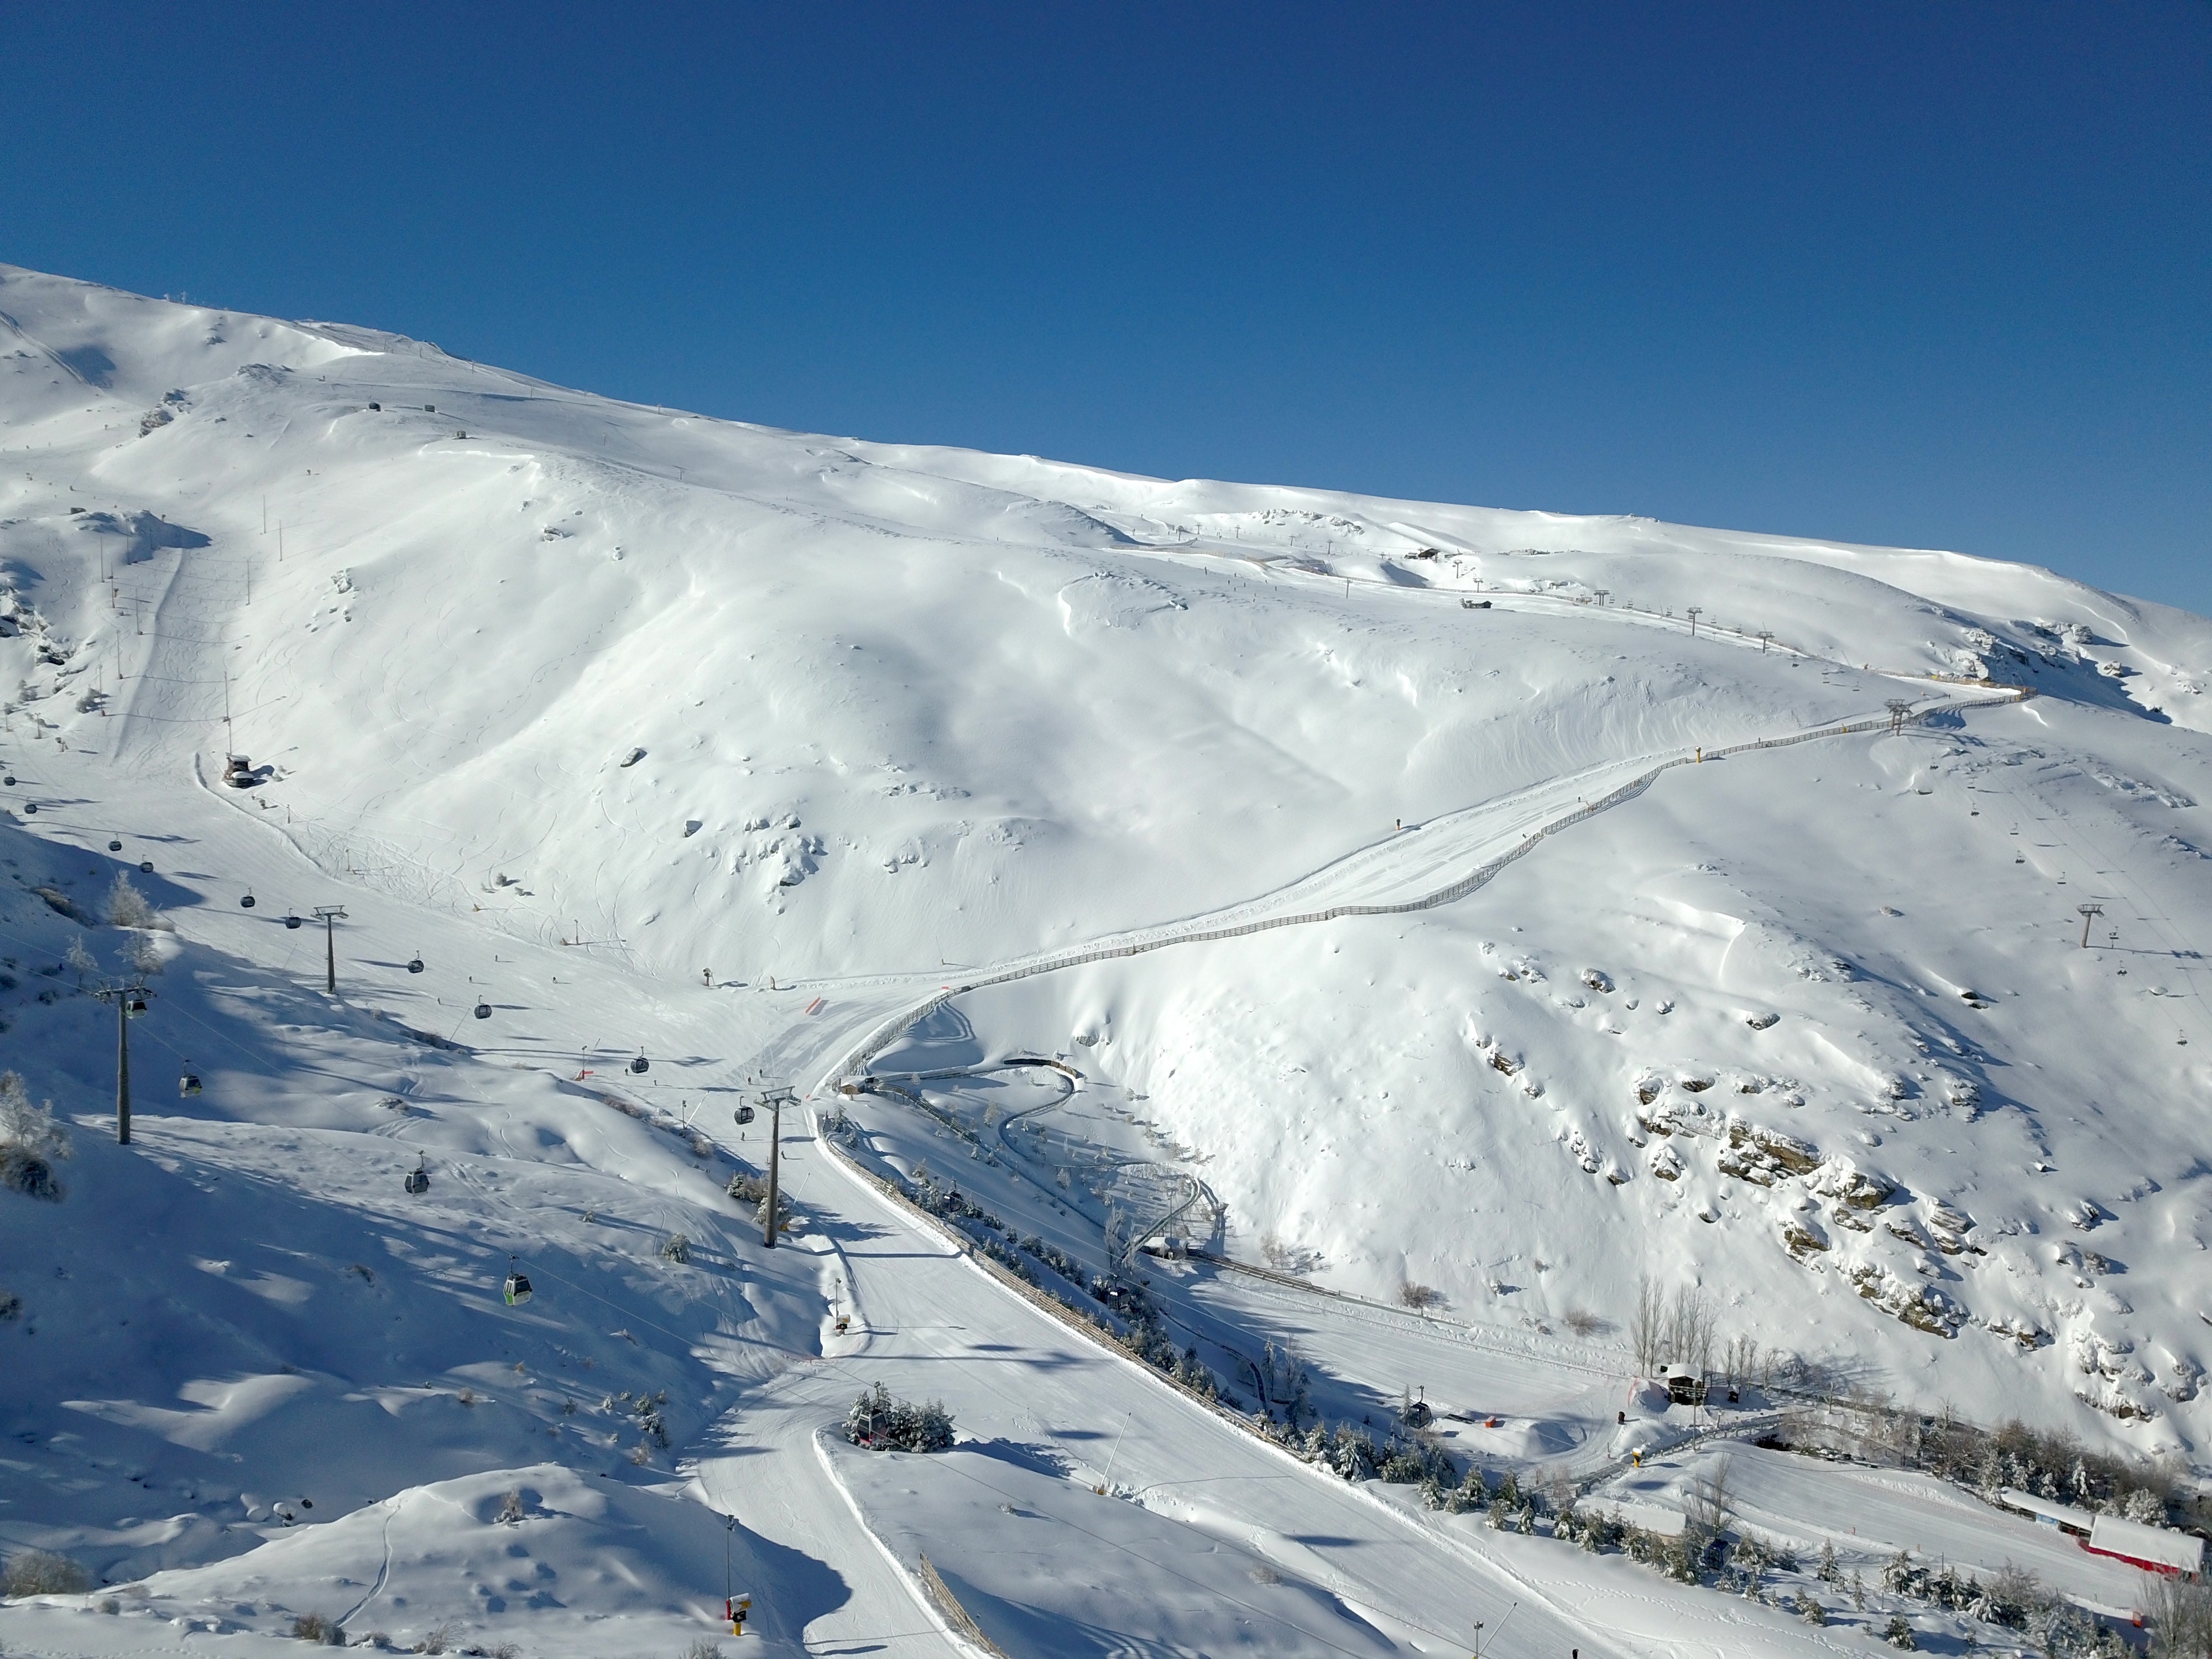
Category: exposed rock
[1802,1236]
[1765,1155]
[1840,1178]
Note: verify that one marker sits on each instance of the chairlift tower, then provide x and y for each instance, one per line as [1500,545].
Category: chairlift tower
[331,914]
[2089,913]
[776,1098]
[130,1002]
[1899,708]
[1694,613]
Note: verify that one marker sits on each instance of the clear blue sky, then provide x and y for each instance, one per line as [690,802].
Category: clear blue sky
[1931,274]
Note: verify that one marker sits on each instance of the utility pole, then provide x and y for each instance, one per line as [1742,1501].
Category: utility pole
[2089,914]
[774,1099]
[331,914]
[130,1002]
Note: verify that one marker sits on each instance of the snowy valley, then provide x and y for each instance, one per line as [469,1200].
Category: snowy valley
[1273,983]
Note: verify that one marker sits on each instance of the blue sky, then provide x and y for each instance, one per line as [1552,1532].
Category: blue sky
[1933,275]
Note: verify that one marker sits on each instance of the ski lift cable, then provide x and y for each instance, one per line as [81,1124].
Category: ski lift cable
[2061,825]
[632,1317]
[629,1312]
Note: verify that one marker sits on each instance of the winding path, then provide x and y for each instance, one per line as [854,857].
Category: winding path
[1362,882]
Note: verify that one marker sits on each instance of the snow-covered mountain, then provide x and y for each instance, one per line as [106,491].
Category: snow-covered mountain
[737,744]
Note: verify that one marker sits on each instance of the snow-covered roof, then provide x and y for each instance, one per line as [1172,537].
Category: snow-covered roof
[2063,1514]
[2159,1547]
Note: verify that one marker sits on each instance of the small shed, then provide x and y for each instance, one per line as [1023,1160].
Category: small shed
[2064,1516]
[2154,1549]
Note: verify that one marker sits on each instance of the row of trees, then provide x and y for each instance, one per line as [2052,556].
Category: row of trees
[1682,1328]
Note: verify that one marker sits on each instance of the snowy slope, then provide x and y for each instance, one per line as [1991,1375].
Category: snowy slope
[626,715]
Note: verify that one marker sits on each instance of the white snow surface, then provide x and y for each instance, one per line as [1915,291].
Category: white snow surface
[732,747]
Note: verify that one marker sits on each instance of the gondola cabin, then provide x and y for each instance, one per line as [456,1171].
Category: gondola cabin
[517,1289]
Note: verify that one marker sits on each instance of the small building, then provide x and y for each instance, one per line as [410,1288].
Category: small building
[2064,1516]
[1685,1387]
[2154,1549]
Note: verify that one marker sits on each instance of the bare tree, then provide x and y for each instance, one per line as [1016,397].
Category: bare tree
[1711,1504]
[1690,1324]
[1647,1325]
[126,905]
[1742,1362]
[2181,1619]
